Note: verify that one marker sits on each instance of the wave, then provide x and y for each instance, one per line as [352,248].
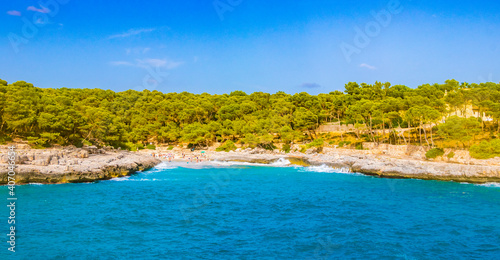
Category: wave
[281,162]
[120,178]
[128,178]
[167,165]
[490,184]
[154,179]
[327,169]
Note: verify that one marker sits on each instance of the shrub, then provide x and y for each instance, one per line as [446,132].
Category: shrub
[359,146]
[226,147]
[485,150]
[4,139]
[151,147]
[286,148]
[37,143]
[132,147]
[450,155]
[342,143]
[316,143]
[268,146]
[170,148]
[45,140]
[434,152]
[251,140]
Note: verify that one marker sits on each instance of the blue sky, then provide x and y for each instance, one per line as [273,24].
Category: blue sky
[250,45]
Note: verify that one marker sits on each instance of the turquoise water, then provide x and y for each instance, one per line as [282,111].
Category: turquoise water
[250,212]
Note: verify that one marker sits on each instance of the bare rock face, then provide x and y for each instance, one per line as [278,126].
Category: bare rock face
[71,164]
[312,150]
[257,151]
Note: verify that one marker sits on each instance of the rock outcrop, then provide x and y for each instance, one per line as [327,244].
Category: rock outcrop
[72,165]
[380,165]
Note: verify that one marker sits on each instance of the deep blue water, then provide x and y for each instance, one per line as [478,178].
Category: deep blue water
[249,212]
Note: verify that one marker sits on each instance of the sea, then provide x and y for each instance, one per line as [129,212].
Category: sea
[221,210]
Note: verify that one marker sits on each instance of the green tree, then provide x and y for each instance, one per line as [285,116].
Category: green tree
[459,129]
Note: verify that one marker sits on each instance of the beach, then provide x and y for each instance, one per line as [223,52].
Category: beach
[375,162]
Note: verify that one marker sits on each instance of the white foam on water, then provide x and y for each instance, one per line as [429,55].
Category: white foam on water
[327,169]
[489,184]
[145,179]
[321,168]
[128,178]
[120,178]
[35,184]
[281,162]
[167,165]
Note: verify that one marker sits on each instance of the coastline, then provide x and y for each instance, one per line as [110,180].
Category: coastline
[73,165]
[384,167]
[89,164]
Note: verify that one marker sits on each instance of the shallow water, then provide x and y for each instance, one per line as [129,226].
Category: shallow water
[228,211]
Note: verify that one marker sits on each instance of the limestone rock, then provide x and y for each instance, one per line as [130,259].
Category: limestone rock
[71,164]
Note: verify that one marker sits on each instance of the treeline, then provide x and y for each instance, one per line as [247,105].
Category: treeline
[129,119]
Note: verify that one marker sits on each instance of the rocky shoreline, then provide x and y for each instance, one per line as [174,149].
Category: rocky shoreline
[388,168]
[72,165]
[380,165]
[88,164]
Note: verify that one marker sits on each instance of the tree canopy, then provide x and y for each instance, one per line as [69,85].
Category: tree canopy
[65,116]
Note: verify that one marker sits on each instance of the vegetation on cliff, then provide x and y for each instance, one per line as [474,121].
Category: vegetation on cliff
[133,119]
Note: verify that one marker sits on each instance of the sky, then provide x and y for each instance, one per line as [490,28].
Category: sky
[218,46]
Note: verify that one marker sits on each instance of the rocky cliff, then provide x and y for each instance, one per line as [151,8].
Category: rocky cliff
[71,164]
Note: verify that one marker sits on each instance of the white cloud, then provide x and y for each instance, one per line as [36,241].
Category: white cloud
[121,63]
[159,63]
[370,67]
[14,13]
[152,62]
[131,32]
[149,63]
[43,10]
[137,50]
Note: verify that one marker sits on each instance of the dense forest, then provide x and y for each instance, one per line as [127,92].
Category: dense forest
[132,119]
